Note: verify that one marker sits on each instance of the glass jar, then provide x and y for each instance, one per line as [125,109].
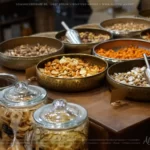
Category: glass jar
[17,106]
[61,126]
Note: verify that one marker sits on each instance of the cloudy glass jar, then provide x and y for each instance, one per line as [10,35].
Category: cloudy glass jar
[16,114]
[61,126]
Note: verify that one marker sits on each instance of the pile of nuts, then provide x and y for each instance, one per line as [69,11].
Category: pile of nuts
[146,37]
[130,26]
[30,50]
[67,67]
[90,37]
[135,77]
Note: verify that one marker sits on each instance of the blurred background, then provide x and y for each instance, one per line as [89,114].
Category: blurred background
[35,16]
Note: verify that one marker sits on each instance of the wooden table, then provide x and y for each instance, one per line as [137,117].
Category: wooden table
[108,125]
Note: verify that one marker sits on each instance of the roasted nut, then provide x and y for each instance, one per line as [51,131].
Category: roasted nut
[135,77]
[30,50]
[68,67]
[129,26]
[90,37]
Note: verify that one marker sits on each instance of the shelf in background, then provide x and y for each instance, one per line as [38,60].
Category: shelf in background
[6,1]
[15,20]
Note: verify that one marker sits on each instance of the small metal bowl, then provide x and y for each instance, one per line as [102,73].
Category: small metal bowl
[22,63]
[72,84]
[119,34]
[7,80]
[81,48]
[144,33]
[117,44]
[132,92]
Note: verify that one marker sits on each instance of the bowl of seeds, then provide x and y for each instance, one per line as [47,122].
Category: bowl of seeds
[24,52]
[125,27]
[130,76]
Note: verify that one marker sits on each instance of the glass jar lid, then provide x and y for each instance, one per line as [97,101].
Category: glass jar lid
[22,95]
[60,115]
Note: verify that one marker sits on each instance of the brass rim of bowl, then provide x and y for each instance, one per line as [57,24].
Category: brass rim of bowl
[123,32]
[142,33]
[32,58]
[103,30]
[10,76]
[124,85]
[114,59]
[73,54]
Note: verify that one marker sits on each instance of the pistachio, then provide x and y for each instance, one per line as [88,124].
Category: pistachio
[135,77]
[30,50]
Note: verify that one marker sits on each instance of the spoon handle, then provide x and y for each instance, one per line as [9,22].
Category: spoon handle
[65,25]
[146,61]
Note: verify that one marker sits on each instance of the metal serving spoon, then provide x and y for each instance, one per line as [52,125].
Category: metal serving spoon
[147,72]
[72,35]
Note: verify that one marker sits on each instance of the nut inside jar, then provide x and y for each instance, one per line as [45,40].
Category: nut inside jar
[67,67]
[90,37]
[73,139]
[17,125]
[30,50]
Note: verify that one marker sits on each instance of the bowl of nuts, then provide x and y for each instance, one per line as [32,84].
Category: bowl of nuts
[7,80]
[145,35]
[125,27]
[130,76]
[71,72]
[24,52]
[123,49]
[89,38]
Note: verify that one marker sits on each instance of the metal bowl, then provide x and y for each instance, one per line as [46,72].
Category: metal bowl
[119,34]
[81,48]
[72,84]
[21,63]
[144,33]
[7,80]
[92,26]
[117,44]
[132,92]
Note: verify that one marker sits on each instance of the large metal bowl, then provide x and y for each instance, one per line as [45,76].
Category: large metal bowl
[144,33]
[132,92]
[81,48]
[72,84]
[91,25]
[7,80]
[122,34]
[21,63]
[117,44]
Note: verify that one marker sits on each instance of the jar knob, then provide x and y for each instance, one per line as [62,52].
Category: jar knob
[21,87]
[60,104]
